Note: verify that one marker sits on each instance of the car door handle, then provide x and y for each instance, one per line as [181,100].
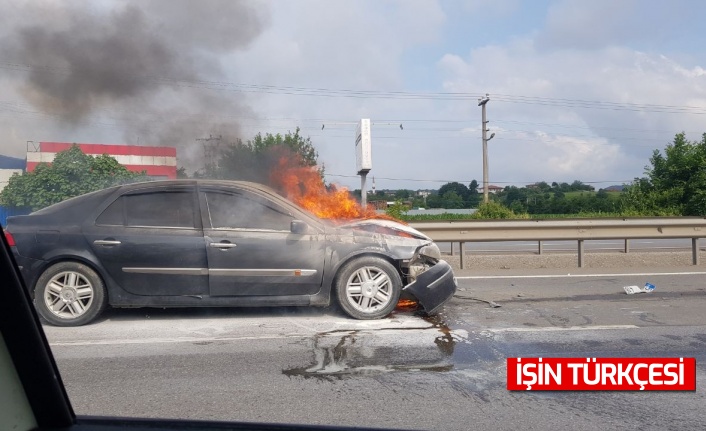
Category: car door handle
[106,242]
[222,245]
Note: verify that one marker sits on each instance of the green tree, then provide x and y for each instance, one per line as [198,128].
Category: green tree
[675,181]
[418,202]
[474,198]
[72,173]
[396,210]
[294,141]
[434,201]
[403,194]
[451,200]
[580,186]
[181,173]
[459,188]
[252,160]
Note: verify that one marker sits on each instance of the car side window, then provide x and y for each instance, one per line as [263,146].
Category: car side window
[234,211]
[113,215]
[160,209]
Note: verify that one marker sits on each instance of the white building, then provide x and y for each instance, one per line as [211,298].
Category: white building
[8,167]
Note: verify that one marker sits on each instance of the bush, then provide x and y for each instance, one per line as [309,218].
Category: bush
[495,211]
[396,210]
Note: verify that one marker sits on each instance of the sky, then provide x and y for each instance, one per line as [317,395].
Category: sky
[579,90]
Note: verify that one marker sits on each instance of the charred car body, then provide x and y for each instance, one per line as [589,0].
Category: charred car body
[193,243]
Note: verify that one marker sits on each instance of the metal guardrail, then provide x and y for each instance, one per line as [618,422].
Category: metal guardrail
[579,230]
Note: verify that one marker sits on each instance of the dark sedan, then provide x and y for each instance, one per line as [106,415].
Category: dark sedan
[194,243]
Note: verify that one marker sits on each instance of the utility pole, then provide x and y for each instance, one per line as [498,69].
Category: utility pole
[481,102]
[363,157]
[211,149]
[363,190]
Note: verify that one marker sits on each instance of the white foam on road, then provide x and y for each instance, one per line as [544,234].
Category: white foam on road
[379,331]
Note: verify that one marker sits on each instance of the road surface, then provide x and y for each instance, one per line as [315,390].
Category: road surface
[299,365]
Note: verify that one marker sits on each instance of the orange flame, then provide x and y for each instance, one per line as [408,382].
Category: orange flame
[304,186]
[407,303]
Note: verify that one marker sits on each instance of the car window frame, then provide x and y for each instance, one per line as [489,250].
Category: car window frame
[191,188]
[206,211]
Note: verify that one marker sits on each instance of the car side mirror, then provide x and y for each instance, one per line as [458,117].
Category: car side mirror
[299,227]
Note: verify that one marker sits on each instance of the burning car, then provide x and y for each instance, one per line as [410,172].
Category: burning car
[196,243]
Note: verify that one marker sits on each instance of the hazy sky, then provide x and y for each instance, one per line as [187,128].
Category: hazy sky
[579,89]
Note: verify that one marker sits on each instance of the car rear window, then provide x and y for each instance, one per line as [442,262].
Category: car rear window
[157,209]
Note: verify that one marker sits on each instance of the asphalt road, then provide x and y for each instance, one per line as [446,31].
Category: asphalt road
[315,366]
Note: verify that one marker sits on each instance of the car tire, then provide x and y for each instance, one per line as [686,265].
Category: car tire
[368,287]
[70,294]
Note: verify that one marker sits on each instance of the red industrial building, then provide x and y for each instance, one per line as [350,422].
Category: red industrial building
[157,162]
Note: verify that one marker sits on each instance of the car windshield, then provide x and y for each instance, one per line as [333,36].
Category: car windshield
[429,214]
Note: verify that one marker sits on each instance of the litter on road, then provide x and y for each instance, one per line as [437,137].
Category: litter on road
[631,290]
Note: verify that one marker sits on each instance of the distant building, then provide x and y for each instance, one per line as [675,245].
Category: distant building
[157,162]
[8,167]
[491,189]
[378,205]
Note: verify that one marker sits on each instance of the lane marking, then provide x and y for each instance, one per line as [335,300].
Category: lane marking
[636,274]
[570,328]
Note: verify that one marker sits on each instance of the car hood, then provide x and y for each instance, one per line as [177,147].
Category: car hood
[386,227]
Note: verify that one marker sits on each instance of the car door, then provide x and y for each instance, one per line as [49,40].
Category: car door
[251,249]
[151,243]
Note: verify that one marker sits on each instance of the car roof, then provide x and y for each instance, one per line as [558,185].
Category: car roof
[243,185]
[256,188]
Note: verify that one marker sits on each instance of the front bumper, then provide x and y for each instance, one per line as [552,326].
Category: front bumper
[434,287]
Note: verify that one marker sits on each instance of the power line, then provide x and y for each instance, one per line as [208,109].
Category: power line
[468,181]
[380,94]
[20,107]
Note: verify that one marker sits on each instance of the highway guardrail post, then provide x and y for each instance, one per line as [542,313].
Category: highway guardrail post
[627,246]
[462,253]
[695,250]
[580,253]
[540,247]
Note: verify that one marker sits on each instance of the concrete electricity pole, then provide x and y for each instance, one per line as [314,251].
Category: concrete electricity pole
[481,102]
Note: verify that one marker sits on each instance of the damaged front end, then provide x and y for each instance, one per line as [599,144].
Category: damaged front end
[430,280]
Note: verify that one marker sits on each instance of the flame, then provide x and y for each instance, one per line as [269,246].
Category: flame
[407,303]
[304,186]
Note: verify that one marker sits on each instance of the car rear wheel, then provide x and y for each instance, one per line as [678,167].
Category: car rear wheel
[368,288]
[69,294]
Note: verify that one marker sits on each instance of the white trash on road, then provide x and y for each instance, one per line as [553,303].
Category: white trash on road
[631,290]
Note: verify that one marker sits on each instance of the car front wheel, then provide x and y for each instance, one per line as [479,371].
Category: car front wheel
[69,294]
[368,288]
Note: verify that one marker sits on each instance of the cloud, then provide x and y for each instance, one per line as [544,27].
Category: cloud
[596,24]
[551,96]
[536,80]
[341,45]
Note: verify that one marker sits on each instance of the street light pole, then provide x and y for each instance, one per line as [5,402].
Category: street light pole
[481,102]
